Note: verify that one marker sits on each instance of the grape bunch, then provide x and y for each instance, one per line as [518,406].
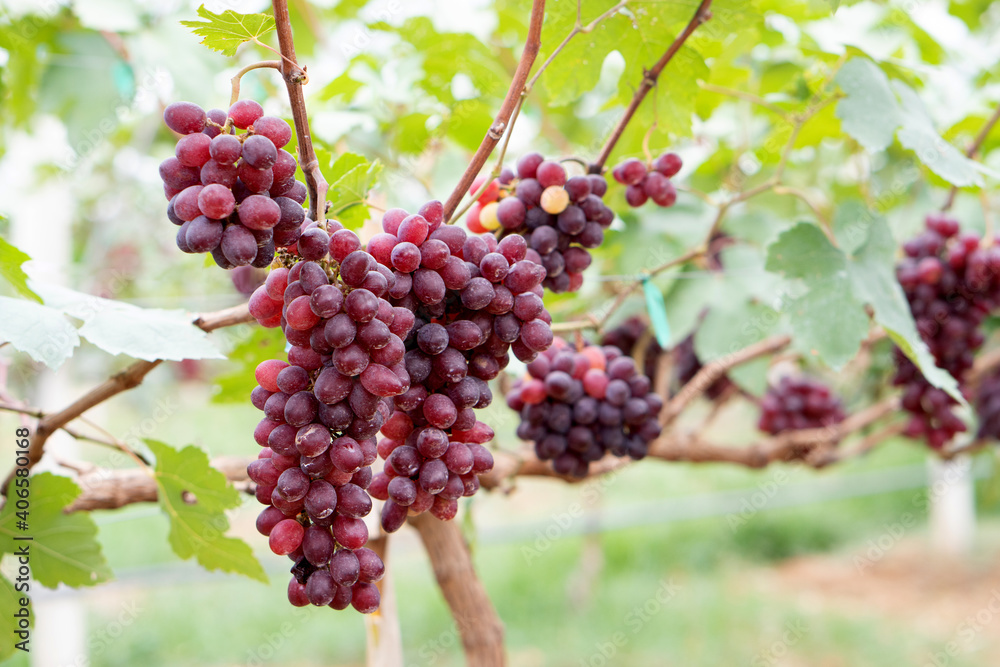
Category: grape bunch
[952,283]
[988,407]
[578,405]
[798,403]
[322,412]
[561,216]
[687,364]
[473,300]
[232,195]
[642,183]
[627,335]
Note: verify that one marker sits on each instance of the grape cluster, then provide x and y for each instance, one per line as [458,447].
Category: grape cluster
[627,335]
[578,405]
[323,410]
[687,364]
[561,216]
[798,403]
[473,300]
[642,183]
[232,195]
[988,407]
[952,283]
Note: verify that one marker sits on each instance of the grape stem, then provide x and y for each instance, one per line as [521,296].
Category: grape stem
[701,15]
[971,151]
[294,77]
[577,29]
[127,379]
[272,64]
[502,121]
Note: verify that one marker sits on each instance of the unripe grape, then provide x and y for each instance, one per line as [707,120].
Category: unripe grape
[554,199]
[488,219]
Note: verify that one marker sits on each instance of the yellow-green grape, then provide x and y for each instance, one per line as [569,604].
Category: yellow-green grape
[488,217]
[555,199]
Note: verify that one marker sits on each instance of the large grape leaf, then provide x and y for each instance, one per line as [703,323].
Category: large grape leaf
[918,134]
[11,259]
[43,333]
[121,328]
[828,320]
[804,252]
[194,496]
[225,32]
[869,112]
[64,547]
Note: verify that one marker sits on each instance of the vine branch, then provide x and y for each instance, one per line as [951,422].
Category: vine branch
[971,151]
[235,81]
[701,15]
[294,77]
[500,123]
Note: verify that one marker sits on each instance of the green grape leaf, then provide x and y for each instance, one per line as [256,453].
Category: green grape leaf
[870,112]
[11,259]
[872,271]
[577,68]
[448,54]
[225,32]
[348,193]
[121,328]
[343,164]
[410,133]
[829,322]
[22,71]
[918,134]
[64,547]
[262,344]
[10,604]
[43,333]
[804,252]
[468,123]
[194,496]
